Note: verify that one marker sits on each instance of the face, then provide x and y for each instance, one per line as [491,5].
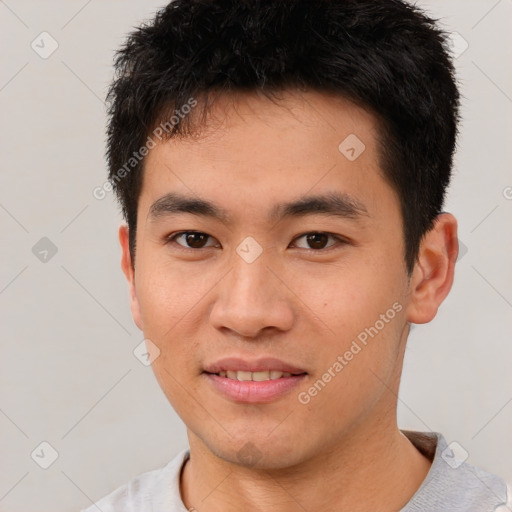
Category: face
[320,287]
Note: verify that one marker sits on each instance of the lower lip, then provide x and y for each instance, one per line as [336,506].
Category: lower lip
[249,391]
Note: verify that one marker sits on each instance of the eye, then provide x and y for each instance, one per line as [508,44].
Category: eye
[317,240]
[191,239]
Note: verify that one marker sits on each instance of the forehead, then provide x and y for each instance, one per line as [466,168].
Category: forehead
[292,121]
[253,153]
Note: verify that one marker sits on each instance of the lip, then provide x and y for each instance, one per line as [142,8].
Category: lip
[249,391]
[259,365]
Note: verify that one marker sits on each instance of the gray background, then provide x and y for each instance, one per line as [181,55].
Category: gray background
[68,373]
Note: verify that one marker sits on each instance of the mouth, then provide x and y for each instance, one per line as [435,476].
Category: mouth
[261,381]
[259,376]
[261,387]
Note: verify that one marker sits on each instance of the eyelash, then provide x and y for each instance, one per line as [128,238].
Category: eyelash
[170,239]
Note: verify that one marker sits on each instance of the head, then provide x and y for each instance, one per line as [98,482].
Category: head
[309,146]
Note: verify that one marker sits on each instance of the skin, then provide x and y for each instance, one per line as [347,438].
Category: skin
[342,450]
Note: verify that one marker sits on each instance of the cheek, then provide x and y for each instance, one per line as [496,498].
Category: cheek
[346,300]
[168,301]
[166,294]
[169,298]
[356,369]
[360,314]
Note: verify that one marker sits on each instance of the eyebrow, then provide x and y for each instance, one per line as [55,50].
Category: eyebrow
[331,204]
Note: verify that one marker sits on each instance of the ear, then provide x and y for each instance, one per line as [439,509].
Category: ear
[129,272]
[433,272]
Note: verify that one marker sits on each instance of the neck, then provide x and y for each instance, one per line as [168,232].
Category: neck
[373,467]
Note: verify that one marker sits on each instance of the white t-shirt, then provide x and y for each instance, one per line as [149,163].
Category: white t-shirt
[451,485]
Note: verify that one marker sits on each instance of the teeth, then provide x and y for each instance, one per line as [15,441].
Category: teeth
[244,375]
[254,376]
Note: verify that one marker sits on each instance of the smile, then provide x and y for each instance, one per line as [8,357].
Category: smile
[261,376]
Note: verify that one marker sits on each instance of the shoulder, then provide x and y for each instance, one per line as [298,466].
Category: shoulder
[159,487]
[453,484]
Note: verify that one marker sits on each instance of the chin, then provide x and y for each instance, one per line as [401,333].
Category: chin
[258,450]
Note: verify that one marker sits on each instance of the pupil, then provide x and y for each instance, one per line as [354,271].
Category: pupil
[190,240]
[314,242]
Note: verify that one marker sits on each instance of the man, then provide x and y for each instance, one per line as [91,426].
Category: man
[282,166]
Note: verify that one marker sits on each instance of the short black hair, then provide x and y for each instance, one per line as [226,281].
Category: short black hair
[387,56]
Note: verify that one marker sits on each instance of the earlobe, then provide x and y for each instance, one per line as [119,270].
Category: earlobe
[129,272]
[434,270]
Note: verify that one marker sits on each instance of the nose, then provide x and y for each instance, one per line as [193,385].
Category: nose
[251,299]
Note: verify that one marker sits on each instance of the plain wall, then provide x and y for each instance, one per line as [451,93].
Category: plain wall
[68,373]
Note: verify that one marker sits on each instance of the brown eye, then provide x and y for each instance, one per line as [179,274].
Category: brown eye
[318,240]
[192,239]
